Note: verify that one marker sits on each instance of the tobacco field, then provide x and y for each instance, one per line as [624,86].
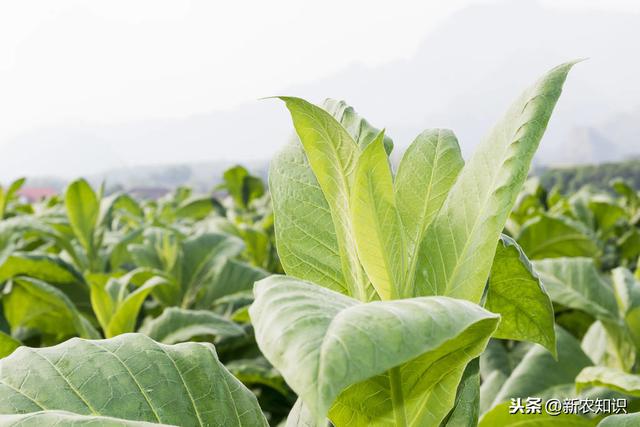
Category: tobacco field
[344,291]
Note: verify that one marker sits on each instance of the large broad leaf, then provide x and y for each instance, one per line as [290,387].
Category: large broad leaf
[501,416]
[64,418]
[459,246]
[550,237]
[34,305]
[427,171]
[305,234]
[515,292]
[129,377]
[576,283]
[176,325]
[609,344]
[332,154]
[83,209]
[368,362]
[539,374]
[376,223]
[600,376]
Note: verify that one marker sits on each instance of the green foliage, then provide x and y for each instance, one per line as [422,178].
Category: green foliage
[413,241]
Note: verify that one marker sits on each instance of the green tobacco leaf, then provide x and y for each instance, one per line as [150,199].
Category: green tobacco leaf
[129,377]
[467,406]
[538,374]
[126,311]
[176,325]
[515,292]
[500,416]
[628,420]
[232,277]
[460,243]
[360,129]
[63,418]
[609,344]
[196,208]
[257,371]
[626,289]
[83,209]
[551,237]
[376,222]
[606,213]
[576,283]
[33,304]
[614,379]
[332,154]
[7,344]
[300,416]
[328,346]
[201,257]
[305,236]
[428,169]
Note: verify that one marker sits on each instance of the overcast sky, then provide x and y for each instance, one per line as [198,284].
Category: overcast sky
[70,61]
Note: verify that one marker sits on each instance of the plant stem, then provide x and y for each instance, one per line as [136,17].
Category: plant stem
[397,398]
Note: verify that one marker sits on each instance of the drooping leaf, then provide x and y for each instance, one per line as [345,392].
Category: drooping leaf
[129,377]
[230,278]
[83,209]
[550,237]
[33,304]
[426,172]
[576,283]
[461,241]
[428,341]
[176,325]
[538,374]
[376,222]
[600,376]
[515,292]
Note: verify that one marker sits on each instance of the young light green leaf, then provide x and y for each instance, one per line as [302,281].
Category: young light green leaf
[428,341]
[129,377]
[428,169]
[461,241]
[614,379]
[82,210]
[553,237]
[176,325]
[376,223]
[515,292]
[126,311]
[332,154]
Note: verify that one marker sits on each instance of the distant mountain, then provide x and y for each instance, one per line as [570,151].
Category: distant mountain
[463,77]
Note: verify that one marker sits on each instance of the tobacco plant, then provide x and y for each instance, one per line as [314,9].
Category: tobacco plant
[396,282]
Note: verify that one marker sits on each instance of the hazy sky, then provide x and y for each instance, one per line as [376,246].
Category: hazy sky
[69,61]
